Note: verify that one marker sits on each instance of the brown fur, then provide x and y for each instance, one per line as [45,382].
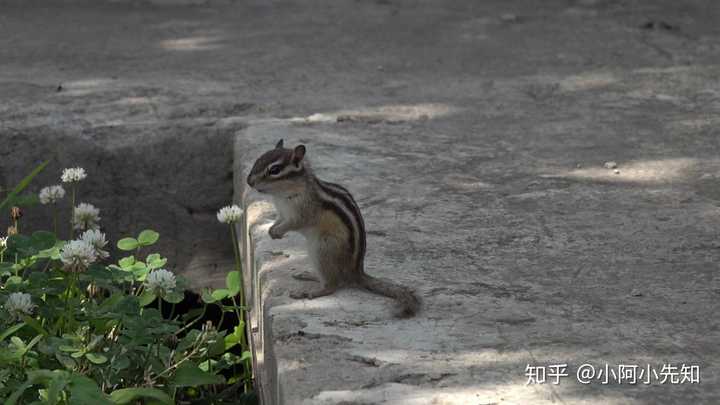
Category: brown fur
[328,217]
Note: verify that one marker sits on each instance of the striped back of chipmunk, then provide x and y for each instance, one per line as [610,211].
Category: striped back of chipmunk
[338,199]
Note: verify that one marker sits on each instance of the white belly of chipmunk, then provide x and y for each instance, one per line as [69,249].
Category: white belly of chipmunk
[284,207]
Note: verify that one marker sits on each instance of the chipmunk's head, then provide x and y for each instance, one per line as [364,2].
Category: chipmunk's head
[279,171]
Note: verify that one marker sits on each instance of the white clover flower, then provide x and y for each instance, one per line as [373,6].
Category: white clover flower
[52,194]
[18,305]
[73,174]
[160,281]
[97,240]
[86,216]
[77,255]
[229,214]
[3,243]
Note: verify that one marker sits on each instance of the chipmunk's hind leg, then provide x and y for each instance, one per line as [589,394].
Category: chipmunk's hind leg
[328,287]
[328,259]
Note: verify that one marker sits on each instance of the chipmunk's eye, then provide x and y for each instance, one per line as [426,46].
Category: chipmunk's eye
[274,169]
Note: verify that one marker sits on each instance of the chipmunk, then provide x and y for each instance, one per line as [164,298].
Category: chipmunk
[328,217]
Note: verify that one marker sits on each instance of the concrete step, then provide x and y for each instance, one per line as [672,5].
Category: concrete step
[518,266]
[348,348]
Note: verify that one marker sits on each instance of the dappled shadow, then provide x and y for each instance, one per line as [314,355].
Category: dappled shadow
[488,377]
[140,100]
[87,86]
[640,171]
[384,113]
[476,352]
[194,43]
[588,81]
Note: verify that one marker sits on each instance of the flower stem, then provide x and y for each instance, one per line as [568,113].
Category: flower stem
[189,324]
[222,315]
[72,211]
[238,263]
[55,215]
[240,312]
[68,295]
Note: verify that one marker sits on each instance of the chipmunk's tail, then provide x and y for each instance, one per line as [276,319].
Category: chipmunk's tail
[409,303]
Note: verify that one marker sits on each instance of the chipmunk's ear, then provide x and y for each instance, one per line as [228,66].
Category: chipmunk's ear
[298,154]
[279,145]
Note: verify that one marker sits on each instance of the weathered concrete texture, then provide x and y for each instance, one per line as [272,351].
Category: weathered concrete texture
[543,265]
[474,136]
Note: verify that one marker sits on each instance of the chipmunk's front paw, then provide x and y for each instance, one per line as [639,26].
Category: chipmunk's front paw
[275,232]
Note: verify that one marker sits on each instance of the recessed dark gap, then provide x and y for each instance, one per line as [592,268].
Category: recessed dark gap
[193,301]
[213,314]
[169,177]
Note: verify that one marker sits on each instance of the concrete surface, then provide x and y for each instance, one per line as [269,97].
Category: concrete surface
[474,137]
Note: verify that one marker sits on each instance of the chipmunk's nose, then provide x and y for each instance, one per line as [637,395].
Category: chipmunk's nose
[250,180]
